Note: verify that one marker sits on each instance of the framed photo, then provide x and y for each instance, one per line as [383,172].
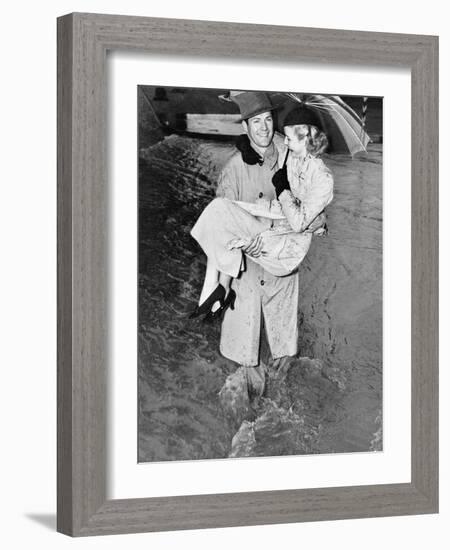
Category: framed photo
[289,401]
[206,154]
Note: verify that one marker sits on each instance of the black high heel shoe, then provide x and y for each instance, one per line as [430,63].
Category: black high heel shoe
[217,295]
[213,316]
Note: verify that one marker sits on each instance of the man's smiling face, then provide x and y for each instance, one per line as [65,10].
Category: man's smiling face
[260,129]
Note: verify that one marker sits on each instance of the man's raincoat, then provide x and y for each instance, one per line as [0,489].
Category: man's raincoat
[258,292]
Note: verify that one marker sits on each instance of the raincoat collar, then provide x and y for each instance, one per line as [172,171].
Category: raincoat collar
[301,164]
[270,155]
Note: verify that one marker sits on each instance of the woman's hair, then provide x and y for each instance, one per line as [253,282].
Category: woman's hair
[316,140]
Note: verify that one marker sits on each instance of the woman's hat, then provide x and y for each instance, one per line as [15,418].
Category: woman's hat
[302,115]
[250,103]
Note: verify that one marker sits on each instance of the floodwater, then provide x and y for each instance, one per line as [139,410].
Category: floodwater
[329,398]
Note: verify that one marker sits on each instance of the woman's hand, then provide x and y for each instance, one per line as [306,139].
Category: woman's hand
[280,181]
[275,207]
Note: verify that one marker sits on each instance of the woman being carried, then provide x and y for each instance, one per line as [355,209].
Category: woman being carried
[277,232]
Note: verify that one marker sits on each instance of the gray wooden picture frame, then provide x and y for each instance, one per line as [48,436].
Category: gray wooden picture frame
[83,41]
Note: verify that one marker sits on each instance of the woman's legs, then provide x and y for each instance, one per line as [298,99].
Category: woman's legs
[213,277]
[225,281]
[210,281]
[221,222]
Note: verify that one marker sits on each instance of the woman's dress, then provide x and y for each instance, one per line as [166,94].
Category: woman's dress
[286,227]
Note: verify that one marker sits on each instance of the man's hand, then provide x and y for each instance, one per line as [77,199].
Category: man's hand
[255,248]
[319,225]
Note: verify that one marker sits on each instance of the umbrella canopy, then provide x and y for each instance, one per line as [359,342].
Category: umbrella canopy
[342,125]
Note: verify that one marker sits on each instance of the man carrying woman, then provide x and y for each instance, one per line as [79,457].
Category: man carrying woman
[252,263]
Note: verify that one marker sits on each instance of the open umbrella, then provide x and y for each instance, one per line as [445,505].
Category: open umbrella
[344,128]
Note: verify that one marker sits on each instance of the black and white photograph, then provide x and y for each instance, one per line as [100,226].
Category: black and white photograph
[260,273]
[221,286]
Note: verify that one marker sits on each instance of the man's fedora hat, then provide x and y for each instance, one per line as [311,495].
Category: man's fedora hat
[250,103]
